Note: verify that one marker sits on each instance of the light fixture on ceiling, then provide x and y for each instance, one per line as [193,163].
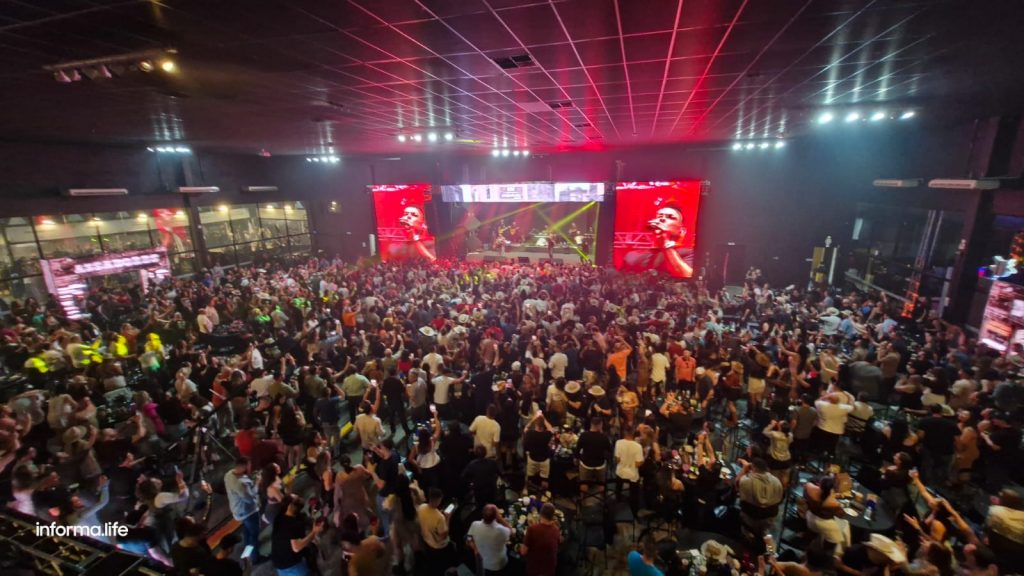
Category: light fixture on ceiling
[878,115]
[417,138]
[168,65]
[780,144]
[325,159]
[825,118]
[106,67]
[515,152]
[170,149]
[526,153]
[432,136]
[749,146]
[62,77]
[448,136]
[505,152]
[763,145]
[146,65]
[852,117]
[737,146]
[495,152]
[401,137]
[907,115]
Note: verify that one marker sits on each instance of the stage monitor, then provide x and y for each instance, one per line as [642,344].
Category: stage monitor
[656,226]
[1002,324]
[520,192]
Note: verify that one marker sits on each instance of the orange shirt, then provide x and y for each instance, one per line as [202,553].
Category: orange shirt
[686,369]
[348,319]
[617,360]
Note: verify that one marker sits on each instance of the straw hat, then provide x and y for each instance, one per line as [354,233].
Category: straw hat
[572,387]
[463,318]
[596,391]
[887,548]
[832,311]
[427,331]
[517,366]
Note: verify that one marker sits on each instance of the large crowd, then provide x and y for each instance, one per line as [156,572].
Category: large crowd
[386,417]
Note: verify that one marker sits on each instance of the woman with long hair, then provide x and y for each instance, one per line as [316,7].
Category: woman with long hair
[404,528]
[824,511]
[271,492]
[423,456]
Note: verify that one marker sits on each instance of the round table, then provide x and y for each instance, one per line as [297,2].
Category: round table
[883,521]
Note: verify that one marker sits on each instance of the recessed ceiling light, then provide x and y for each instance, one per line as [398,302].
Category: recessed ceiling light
[852,117]
[907,115]
[780,144]
[737,146]
[495,152]
[401,137]
[825,118]
[417,137]
[526,153]
[432,136]
[763,145]
[449,136]
[515,152]
[505,152]
[750,146]
[879,115]
[168,66]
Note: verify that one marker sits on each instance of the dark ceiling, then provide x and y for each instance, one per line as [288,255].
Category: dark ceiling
[318,76]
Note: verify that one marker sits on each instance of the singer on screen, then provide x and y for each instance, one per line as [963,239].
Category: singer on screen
[417,235]
[667,254]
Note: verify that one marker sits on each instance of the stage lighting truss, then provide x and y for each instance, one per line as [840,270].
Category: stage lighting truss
[430,135]
[869,115]
[329,159]
[510,152]
[107,67]
[169,149]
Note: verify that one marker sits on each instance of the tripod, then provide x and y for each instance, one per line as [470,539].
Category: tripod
[203,440]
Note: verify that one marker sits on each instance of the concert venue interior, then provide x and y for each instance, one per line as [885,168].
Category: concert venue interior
[361,287]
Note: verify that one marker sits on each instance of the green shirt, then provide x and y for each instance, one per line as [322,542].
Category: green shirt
[354,386]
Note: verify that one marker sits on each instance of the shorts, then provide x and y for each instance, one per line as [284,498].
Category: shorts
[593,475]
[755,385]
[542,469]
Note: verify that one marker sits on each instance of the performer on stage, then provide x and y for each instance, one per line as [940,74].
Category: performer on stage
[419,242]
[667,255]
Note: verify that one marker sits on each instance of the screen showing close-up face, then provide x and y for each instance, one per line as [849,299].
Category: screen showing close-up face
[656,226]
[402,229]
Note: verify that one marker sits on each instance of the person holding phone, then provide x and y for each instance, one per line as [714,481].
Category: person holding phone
[434,529]
[292,536]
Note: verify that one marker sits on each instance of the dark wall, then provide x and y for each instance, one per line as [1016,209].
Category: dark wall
[776,204]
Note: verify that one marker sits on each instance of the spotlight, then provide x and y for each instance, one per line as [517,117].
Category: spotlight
[880,115]
[448,136]
[432,136]
[182,150]
[335,159]
[763,145]
[62,77]
[150,149]
[315,159]
[504,153]
[417,137]
[168,66]
[825,118]
[401,137]
[515,152]
[737,146]
[222,208]
[75,76]
[907,115]
[526,153]
[161,149]
[852,117]
[780,144]
[146,66]
[309,159]
[750,146]
[495,152]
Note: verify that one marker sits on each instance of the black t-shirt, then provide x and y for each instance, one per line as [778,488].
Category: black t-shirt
[225,567]
[593,449]
[592,359]
[1008,440]
[537,444]
[680,422]
[286,528]
[394,391]
[856,557]
[483,474]
[939,434]
[188,558]
[387,471]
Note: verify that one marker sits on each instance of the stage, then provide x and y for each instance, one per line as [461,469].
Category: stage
[524,254]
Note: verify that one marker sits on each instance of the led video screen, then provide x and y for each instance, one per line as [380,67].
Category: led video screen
[402,229]
[524,192]
[656,226]
[1002,324]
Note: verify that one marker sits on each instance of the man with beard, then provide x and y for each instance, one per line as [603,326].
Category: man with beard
[667,254]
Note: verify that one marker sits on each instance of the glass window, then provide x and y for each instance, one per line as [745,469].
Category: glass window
[170,229]
[183,263]
[26,260]
[301,241]
[245,252]
[297,218]
[245,223]
[21,288]
[216,222]
[273,218]
[123,231]
[222,256]
[70,235]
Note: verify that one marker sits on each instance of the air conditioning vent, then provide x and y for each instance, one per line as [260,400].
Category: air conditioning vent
[905,183]
[964,184]
[259,189]
[560,104]
[198,189]
[94,192]
[514,62]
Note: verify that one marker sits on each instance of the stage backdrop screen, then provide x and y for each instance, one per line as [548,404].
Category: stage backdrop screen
[1002,324]
[655,226]
[524,192]
[402,230]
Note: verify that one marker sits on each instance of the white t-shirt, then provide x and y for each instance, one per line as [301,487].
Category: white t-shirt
[627,454]
[832,417]
[491,541]
[558,363]
[659,364]
[256,359]
[433,527]
[261,386]
[441,385]
[486,433]
[540,363]
[434,361]
[370,430]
